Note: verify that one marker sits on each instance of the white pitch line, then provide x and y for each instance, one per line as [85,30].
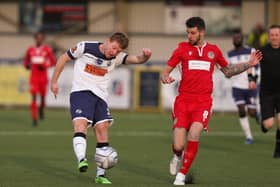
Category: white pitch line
[127,133]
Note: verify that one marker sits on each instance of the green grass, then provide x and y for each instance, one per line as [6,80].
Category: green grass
[43,156]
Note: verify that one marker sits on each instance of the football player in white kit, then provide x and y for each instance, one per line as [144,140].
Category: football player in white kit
[88,98]
[244,86]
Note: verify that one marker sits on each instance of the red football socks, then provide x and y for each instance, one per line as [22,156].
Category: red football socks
[34,110]
[189,156]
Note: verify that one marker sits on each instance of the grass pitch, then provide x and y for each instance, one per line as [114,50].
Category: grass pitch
[43,155]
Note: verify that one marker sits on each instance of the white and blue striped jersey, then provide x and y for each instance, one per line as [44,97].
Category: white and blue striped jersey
[92,67]
[236,57]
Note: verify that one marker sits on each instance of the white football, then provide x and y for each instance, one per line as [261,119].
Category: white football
[106,158]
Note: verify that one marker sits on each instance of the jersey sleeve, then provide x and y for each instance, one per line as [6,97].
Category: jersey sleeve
[26,61]
[76,51]
[221,61]
[120,58]
[175,57]
[51,57]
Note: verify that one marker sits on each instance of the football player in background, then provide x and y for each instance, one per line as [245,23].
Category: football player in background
[244,85]
[88,99]
[38,59]
[192,108]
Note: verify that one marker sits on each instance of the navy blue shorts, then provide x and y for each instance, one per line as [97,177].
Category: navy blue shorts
[244,96]
[86,105]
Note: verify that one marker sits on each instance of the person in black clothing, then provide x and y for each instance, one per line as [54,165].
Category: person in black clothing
[269,88]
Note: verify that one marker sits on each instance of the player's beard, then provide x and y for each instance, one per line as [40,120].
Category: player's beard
[237,45]
[196,41]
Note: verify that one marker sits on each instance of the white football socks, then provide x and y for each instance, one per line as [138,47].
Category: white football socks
[244,123]
[80,146]
[99,171]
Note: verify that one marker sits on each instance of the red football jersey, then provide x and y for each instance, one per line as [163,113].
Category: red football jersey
[197,66]
[38,59]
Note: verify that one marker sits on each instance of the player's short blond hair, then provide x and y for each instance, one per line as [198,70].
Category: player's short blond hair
[121,38]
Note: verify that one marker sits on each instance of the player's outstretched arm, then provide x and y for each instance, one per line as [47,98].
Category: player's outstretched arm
[139,59]
[57,71]
[234,69]
[165,75]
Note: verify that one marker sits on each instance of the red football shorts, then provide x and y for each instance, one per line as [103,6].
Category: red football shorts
[38,86]
[189,108]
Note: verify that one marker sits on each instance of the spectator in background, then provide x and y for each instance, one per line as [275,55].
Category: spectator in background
[258,37]
[244,88]
[38,59]
[192,108]
[270,89]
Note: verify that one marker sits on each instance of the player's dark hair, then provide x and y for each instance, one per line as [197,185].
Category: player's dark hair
[121,38]
[274,26]
[39,33]
[196,22]
[238,32]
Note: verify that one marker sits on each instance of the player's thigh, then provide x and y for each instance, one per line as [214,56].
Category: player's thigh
[82,105]
[80,125]
[101,131]
[195,131]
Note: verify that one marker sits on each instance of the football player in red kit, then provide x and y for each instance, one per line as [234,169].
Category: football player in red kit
[38,59]
[192,108]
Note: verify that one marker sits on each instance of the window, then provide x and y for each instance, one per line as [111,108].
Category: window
[53,15]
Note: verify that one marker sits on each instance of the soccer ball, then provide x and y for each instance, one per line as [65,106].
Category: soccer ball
[106,157]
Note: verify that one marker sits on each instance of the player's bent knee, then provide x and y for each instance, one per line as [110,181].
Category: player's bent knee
[178,147]
[268,123]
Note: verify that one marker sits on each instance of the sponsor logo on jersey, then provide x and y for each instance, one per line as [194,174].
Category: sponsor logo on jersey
[95,70]
[199,65]
[211,55]
[37,59]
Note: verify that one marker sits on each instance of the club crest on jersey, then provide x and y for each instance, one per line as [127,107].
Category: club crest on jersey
[73,49]
[190,53]
[211,54]
[99,61]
